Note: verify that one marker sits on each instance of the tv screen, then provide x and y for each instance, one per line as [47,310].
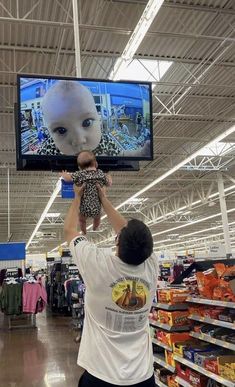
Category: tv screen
[59,117]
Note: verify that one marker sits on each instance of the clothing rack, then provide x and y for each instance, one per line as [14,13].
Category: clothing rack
[21,299]
[17,321]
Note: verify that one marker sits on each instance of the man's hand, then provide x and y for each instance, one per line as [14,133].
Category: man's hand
[78,190]
[101,191]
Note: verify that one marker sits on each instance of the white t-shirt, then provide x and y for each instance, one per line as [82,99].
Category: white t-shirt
[116,346]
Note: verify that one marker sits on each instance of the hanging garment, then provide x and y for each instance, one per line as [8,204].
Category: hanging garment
[32,294]
[11,298]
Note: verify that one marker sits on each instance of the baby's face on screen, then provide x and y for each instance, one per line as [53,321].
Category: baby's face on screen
[71,116]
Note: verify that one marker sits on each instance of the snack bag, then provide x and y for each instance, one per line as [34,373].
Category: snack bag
[220,269]
[206,284]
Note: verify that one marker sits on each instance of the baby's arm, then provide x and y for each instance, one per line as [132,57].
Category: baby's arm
[104,178]
[78,178]
[66,176]
[109,180]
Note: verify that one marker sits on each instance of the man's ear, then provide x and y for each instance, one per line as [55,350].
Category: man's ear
[96,164]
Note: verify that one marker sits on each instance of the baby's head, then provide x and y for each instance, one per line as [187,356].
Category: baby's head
[86,159]
[70,114]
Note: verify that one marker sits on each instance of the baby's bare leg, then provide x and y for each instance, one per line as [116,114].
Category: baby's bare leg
[82,222]
[96,222]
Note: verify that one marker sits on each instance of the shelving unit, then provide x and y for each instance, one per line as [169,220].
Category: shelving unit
[170,307]
[204,301]
[167,327]
[182,382]
[160,344]
[200,336]
[212,321]
[161,360]
[209,339]
[159,383]
[201,370]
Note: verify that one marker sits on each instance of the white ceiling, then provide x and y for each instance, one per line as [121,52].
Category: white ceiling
[198,36]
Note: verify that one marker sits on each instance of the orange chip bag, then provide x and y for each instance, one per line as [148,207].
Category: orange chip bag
[220,269]
[206,284]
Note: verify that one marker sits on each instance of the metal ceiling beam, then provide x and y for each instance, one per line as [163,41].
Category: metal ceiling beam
[203,8]
[115,30]
[105,54]
[160,83]
[197,96]
[168,4]
[198,117]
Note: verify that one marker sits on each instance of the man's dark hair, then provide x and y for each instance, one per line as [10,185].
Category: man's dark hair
[89,162]
[135,243]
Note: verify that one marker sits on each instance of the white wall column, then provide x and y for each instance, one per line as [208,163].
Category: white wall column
[223,207]
[76,39]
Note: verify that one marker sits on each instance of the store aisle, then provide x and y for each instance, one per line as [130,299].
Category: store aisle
[43,357]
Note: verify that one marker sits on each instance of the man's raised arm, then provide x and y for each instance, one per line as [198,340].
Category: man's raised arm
[115,218]
[71,219]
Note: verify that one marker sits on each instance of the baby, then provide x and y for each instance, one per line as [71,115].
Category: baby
[71,116]
[74,124]
[89,175]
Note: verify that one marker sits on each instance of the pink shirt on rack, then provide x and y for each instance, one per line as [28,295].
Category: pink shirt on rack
[32,293]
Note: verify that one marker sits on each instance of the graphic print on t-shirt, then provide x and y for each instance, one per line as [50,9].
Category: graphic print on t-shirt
[130,293]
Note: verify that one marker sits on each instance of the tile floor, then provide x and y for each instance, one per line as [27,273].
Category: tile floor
[42,357]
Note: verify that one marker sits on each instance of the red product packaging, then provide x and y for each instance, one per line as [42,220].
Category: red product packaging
[212,312]
[196,379]
[212,365]
[182,371]
[177,318]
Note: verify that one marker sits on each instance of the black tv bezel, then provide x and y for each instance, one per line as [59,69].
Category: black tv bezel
[58,162]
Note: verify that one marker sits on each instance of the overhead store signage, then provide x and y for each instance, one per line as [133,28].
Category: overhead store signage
[67,191]
[50,259]
[217,250]
[12,251]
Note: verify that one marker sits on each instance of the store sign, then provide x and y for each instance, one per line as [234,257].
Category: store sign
[217,250]
[12,251]
[50,259]
[67,191]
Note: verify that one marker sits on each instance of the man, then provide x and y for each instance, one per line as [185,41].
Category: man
[116,348]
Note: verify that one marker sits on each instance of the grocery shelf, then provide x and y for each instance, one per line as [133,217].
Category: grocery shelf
[159,383]
[182,382]
[209,339]
[160,344]
[203,371]
[205,301]
[212,321]
[160,305]
[168,327]
[161,360]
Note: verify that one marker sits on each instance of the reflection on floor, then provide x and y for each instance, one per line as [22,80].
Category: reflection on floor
[42,357]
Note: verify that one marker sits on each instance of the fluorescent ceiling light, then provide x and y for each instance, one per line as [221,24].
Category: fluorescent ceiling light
[137,37]
[160,218]
[206,229]
[218,149]
[53,214]
[137,200]
[145,70]
[191,223]
[191,240]
[44,214]
[164,176]
[193,233]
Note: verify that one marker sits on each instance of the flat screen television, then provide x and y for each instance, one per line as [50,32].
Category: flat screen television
[59,117]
